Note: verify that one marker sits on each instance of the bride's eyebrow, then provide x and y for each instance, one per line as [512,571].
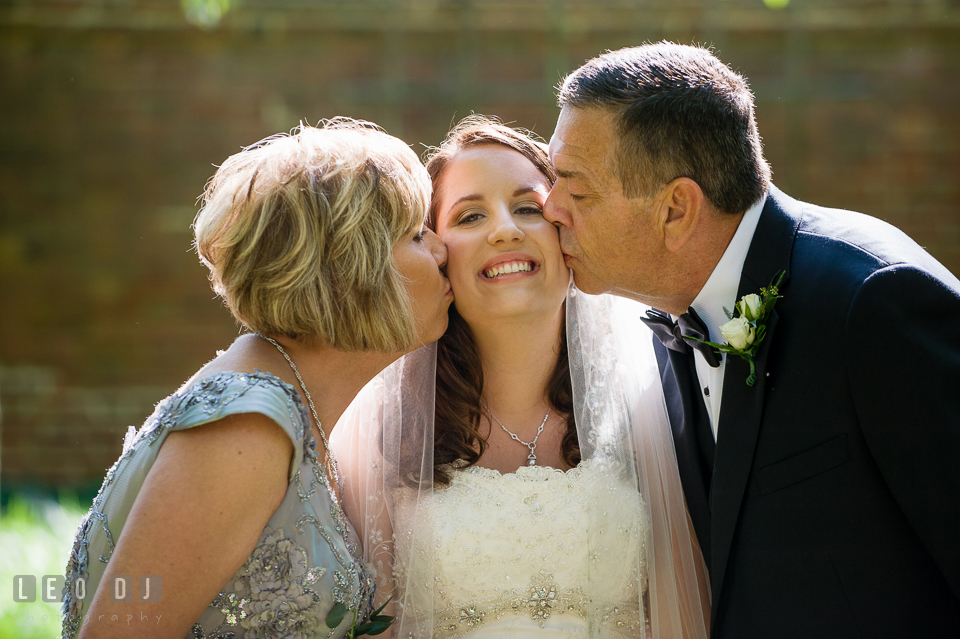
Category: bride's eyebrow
[477,197]
[527,189]
[473,197]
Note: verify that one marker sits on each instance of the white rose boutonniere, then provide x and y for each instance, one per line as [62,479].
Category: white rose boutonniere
[748,325]
[739,333]
[749,307]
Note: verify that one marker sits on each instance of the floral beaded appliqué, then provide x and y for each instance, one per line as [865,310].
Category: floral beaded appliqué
[279,592]
[277,599]
[539,514]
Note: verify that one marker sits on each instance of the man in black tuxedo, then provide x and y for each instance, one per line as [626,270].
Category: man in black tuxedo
[826,496]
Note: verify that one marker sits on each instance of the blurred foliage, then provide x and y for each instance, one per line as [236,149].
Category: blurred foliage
[36,536]
[206,14]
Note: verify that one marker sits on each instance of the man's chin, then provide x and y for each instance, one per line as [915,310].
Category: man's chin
[589,284]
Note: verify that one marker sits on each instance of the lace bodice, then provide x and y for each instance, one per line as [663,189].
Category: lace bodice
[539,551]
[306,559]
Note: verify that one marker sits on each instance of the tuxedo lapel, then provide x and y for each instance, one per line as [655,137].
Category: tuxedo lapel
[743,408]
[742,405]
[683,412]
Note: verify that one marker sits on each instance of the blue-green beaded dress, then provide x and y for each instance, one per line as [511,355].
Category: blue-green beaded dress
[306,559]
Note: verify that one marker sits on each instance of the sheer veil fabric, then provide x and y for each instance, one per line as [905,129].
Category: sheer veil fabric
[622,421]
[384,445]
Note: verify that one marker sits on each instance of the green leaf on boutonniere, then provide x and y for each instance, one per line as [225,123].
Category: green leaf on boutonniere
[748,325]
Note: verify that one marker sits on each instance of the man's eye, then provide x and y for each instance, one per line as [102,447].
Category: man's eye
[576,198]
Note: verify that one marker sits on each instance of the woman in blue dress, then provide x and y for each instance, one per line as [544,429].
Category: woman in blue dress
[222,516]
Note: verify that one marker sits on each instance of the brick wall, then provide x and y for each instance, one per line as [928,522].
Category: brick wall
[112,115]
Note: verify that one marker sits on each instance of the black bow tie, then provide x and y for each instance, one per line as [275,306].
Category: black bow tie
[676,335]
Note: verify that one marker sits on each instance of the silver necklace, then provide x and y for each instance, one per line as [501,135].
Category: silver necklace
[532,457]
[313,410]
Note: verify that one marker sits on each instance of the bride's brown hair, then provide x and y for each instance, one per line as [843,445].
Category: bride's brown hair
[459,371]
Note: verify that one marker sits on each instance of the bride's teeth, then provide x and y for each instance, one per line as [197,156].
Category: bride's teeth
[508,268]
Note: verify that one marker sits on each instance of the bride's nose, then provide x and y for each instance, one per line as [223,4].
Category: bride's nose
[505,229]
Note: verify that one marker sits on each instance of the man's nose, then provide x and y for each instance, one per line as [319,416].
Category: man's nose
[553,211]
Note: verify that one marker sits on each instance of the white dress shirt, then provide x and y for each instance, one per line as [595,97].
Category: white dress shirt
[718,293]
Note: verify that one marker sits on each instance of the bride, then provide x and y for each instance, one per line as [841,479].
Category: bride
[534,492]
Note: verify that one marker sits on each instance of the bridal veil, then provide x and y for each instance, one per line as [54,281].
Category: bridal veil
[384,445]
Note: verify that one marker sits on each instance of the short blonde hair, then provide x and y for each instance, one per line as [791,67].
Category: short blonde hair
[298,232]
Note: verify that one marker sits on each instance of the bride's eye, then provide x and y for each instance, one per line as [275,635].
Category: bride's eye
[529,209]
[468,217]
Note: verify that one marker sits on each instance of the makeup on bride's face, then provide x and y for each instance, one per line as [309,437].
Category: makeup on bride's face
[504,258]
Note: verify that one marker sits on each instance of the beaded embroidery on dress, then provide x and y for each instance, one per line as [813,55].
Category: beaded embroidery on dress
[514,553]
[604,550]
[307,557]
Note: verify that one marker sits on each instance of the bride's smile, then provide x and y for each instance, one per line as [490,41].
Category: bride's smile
[501,268]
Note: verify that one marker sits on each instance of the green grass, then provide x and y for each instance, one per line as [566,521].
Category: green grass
[35,537]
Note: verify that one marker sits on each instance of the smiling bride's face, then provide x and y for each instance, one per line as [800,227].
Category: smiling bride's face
[504,259]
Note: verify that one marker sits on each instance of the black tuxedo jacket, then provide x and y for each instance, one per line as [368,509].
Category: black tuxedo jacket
[833,509]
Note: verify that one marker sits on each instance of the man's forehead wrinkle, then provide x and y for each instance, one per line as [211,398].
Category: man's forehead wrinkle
[594,171]
[576,155]
[580,171]
[558,145]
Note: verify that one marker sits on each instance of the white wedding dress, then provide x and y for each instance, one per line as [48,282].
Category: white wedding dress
[602,550]
[514,554]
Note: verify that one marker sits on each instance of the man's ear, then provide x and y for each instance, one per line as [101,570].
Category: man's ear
[680,210]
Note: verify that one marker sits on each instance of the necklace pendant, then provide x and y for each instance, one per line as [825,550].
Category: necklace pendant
[531,460]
